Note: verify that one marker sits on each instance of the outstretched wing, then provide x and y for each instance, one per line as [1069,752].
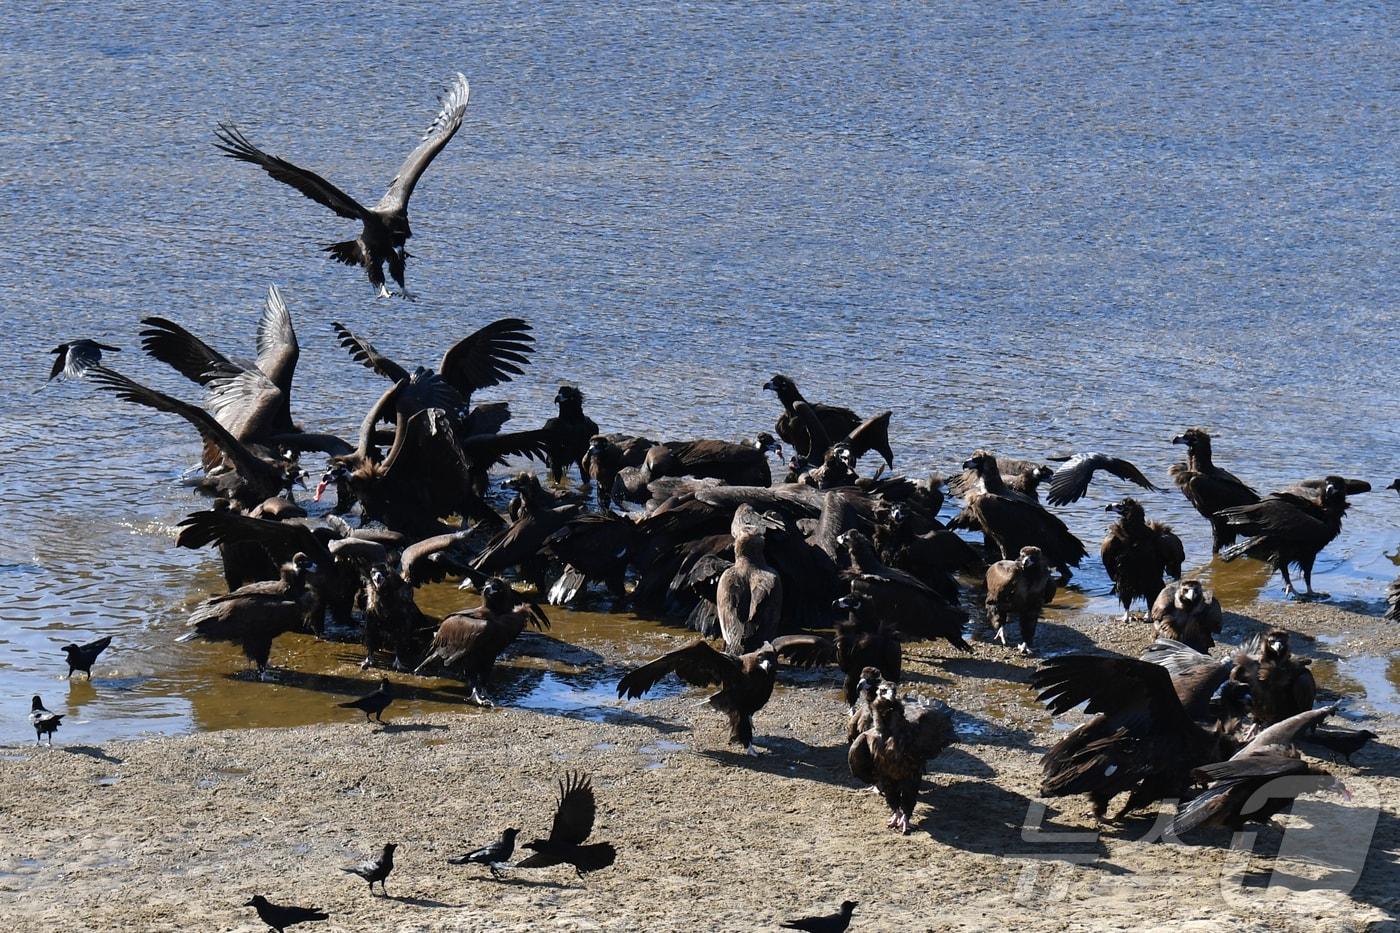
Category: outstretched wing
[573,819]
[1071,480]
[244,400]
[281,540]
[244,461]
[172,344]
[491,355]
[872,434]
[1113,685]
[805,650]
[697,664]
[236,146]
[440,131]
[277,341]
[363,352]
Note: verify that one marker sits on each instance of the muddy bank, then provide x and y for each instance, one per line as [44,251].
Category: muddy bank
[176,833]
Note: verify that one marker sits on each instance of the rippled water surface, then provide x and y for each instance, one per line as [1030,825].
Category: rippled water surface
[1039,228]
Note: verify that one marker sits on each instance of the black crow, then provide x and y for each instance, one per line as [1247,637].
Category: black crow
[43,721]
[495,856]
[827,923]
[82,657]
[76,357]
[279,916]
[376,869]
[573,822]
[373,704]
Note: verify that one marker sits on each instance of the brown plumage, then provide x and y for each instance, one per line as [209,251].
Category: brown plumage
[746,682]
[1287,528]
[1208,487]
[862,715]
[1020,476]
[570,434]
[384,227]
[1236,794]
[1188,613]
[914,609]
[749,596]
[893,752]
[1138,553]
[1141,741]
[607,456]
[1280,685]
[257,613]
[1011,520]
[1022,586]
[472,639]
[862,642]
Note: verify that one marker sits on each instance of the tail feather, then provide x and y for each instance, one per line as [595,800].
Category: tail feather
[567,587]
[1241,549]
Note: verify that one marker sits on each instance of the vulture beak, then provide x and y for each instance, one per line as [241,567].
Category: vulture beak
[769,386]
[1113,507]
[969,464]
[1179,439]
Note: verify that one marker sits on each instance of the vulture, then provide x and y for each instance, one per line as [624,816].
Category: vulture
[1142,741]
[1187,612]
[1138,553]
[1280,686]
[1020,476]
[1209,488]
[82,657]
[748,596]
[1197,677]
[862,642]
[746,682]
[594,546]
[487,357]
[1022,586]
[255,614]
[74,358]
[520,544]
[43,721]
[470,640]
[570,433]
[862,716]
[1246,787]
[376,869]
[1012,521]
[250,477]
[573,824]
[1286,529]
[281,916]
[607,456]
[251,398]
[730,463]
[384,227]
[811,430]
[911,607]
[893,752]
[1071,481]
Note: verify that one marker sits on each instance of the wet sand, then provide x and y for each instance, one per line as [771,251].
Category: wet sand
[175,833]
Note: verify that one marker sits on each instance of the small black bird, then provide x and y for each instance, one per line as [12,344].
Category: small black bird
[573,823]
[43,721]
[280,917]
[373,704]
[82,657]
[827,923]
[76,357]
[495,856]
[376,869]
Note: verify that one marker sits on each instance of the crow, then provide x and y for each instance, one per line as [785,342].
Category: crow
[82,657]
[827,923]
[76,357]
[495,856]
[376,869]
[573,823]
[43,721]
[373,704]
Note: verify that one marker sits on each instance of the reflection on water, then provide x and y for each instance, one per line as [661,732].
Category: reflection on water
[1048,228]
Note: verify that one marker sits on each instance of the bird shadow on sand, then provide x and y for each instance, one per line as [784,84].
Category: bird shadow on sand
[517,881]
[977,816]
[92,751]
[790,758]
[353,687]
[424,902]
[390,728]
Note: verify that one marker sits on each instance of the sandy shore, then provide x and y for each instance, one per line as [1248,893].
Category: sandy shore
[176,833]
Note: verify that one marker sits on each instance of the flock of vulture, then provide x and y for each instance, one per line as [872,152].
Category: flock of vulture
[806,561]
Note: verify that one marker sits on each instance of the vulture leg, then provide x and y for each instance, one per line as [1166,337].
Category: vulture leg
[1309,592]
[1288,589]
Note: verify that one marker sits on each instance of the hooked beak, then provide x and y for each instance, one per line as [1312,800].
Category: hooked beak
[1179,439]
[969,465]
[1113,507]
[769,387]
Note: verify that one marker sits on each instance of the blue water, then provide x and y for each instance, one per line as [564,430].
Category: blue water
[1038,228]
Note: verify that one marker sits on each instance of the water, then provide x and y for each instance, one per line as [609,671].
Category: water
[1034,228]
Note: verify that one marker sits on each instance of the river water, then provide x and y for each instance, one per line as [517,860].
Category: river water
[1038,228]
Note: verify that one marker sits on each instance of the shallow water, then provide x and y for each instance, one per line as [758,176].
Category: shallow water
[1038,229]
